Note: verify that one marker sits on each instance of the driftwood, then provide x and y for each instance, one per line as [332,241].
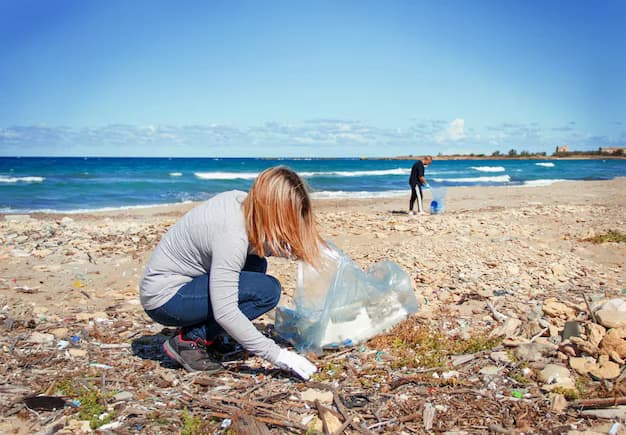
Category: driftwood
[245,424]
[598,403]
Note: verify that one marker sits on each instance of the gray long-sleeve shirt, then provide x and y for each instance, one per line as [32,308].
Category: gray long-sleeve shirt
[211,237]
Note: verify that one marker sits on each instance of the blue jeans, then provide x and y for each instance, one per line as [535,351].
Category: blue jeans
[190,308]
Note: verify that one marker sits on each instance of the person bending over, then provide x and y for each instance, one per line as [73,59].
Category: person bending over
[208,273]
[417,180]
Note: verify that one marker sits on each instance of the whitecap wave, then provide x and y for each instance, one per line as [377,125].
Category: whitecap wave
[340,194]
[489,168]
[496,179]
[176,174]
[5,179]
[307,174]
[542,182]
[90,210]
[545,164]
[226,175]
[397,171]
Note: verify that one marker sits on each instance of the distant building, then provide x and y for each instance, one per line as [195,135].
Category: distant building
[562,149]
[615,150]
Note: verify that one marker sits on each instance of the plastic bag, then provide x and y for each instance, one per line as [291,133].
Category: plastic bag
[437,204]
[342,305]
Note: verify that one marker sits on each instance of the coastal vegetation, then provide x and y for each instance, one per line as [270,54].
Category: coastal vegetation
[601,153]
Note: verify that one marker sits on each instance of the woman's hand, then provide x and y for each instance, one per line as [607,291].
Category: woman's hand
[301,366]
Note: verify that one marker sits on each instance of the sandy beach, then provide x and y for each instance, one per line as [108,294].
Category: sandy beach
[520,252]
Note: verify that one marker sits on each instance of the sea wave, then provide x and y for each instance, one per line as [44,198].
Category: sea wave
[176,174]
[306,174]
[496,179]
[340,194]
[545,164]
[489,168]
[543,182]
[5,179]
[9,210]
[226,175]
[397,171]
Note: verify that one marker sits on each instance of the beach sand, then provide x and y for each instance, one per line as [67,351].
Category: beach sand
[519,245]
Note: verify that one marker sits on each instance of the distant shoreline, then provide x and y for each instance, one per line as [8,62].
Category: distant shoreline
[577,157]
[416,157]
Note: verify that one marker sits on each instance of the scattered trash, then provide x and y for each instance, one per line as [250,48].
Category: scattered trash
[45,403]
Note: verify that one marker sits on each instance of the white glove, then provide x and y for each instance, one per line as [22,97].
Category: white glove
[301,366]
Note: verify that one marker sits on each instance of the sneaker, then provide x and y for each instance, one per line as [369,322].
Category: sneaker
[412,212]
[191,354]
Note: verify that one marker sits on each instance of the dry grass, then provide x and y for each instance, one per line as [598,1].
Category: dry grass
[417,345]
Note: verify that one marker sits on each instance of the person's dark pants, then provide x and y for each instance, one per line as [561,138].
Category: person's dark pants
[190,308]
[414,197]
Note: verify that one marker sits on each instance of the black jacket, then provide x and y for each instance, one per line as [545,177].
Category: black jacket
[417,171]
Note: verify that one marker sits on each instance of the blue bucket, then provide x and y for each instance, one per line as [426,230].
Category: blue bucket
[439,196]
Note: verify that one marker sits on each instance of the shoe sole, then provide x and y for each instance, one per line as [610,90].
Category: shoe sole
[171,353]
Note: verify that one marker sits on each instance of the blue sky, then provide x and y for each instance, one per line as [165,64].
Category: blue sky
[297,78]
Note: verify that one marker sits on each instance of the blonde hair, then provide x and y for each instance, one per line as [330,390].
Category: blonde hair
[279,217]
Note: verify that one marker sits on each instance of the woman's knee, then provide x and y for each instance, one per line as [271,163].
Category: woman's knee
[274,291]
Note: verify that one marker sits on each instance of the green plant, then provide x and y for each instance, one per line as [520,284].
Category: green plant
[192,425]
[609,236]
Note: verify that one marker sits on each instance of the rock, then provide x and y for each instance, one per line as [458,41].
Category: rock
[554,308]
[615,304]
[558,270]
[91,316]
[19,253]
[618,412]
[79,427]
[458,360]
[555,376]
[501,357]
[558,402]
[490,370]
[66,221]
[595,333]
[59,332]
[507,329]
[614,344]
[40,338]
[123,396]
[582,364]
[312,394]
[611,318]
[605,369]
[534,351]
[77,353]
[571,329]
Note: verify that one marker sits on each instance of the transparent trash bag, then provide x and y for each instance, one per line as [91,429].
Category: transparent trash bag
[342,305]
[437,204]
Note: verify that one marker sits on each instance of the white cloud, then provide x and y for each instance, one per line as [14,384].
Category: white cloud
[455,131]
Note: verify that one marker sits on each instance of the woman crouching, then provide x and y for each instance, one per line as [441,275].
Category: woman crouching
[208,275]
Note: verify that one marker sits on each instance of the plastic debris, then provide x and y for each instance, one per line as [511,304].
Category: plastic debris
[437,203]
[44,403]
[342,305]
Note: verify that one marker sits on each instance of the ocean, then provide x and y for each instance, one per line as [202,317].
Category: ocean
[71,185]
